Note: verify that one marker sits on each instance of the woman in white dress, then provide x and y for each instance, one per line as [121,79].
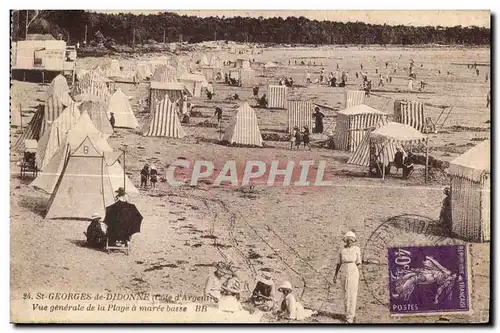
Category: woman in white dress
[290,307]
[350,257]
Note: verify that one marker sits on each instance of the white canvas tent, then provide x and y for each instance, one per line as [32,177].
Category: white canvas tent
[244,128]
[119,104]
[15,116]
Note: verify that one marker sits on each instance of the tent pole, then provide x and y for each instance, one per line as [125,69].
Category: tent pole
[21,116]
[426,159]
[124,172]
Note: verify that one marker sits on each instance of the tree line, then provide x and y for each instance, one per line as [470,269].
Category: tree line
[126,28]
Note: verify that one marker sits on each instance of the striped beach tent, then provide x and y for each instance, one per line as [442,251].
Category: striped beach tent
[244,128]
[34,131]
[119,104]
[277,97]
[46,113]
[354,97]
[159,90]
[410,113]
[384,151]
[352,124]
[58,85]
[300,114]
[471,193]
[92,84]
[55,135]
[165,73]
[194,82]
[165,121]
[97,111]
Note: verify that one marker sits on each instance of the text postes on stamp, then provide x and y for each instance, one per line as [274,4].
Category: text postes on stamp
[428,279]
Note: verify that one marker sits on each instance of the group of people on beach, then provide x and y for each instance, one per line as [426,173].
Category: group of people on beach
[149,174]
[224,288]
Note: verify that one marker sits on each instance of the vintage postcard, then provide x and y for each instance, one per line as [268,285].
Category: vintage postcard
[250,166]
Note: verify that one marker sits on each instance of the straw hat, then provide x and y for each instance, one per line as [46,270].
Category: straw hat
[95,216]
[120,192]
[266,278]
[222,268]
[350,234]
[286,285]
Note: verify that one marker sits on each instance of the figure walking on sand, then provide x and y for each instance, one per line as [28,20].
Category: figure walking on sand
[350,258]
[153,174]
[305,137]
[145,175]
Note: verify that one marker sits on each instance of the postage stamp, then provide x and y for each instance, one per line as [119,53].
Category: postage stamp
[428,279]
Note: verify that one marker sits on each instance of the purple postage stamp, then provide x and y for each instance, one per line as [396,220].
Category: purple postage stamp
[428,279]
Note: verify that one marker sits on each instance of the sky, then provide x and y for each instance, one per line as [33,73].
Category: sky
[446,18]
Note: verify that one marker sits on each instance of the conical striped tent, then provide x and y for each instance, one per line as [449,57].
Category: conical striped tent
[244,128]
[47,179]
[92,83]
[98,113]
[385,151]
[46,113]
[119,104]
[165,73]
[58,85]
[53,138]
[15,116]
[55,105]
[354,97]
[165,121]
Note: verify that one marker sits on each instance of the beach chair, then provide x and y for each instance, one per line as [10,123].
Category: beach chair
[125,247]
[28,164]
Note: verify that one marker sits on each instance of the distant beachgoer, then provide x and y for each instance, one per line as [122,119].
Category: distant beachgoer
[395,69]
[318,120]
[368,88]
[263,101]
[145,175]
[305,137]
[477,71]
[445,217]
[337,66]
[361,66]
[308,77]
[376,70]
[112,120]
[390,79]
[486,77]
[293,136]
[298,137]
[488,97]
[408,165]
[422,85]
[218,114]
[153,176]
[381,81]
[357,75]
[255,90]
[386,64]
[410,84]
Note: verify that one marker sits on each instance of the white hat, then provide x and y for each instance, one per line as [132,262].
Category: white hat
[95,216]
[285,285]
[350,234]
[153,167]
[266,278]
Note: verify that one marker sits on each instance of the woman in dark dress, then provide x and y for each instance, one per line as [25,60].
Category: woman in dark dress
[318,120]
[144,175]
